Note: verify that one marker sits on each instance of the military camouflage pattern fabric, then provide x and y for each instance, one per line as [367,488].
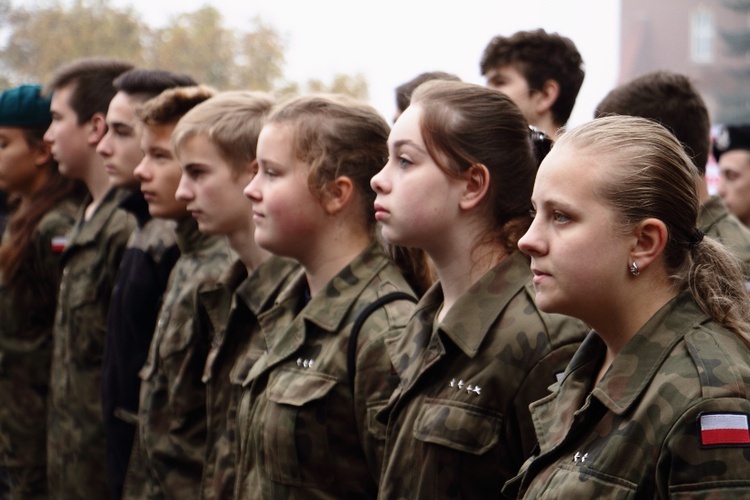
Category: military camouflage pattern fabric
[715,221]
[458,425]
[228,312]
[172,409]
[75,439]
[27,312]
[642,431]
[303,431]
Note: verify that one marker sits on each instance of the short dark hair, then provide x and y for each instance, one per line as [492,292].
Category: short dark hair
[669,99]
[404,91]
[150,83]
[91,80]
[540,56]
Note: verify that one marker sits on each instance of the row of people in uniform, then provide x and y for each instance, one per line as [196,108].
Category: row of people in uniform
[340,309]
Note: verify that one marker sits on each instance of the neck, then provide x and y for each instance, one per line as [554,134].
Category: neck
[618,325]
[702,188]
[547,125]
[460,268]
[322,264]
[243,243]
[97,182]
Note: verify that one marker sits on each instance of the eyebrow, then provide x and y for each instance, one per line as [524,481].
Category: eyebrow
[409,142]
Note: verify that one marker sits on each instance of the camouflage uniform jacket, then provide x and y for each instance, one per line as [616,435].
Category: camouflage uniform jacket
[27,312]
[459,425]
[75,438]
[304,432]
[228,312]
[172,409]
[148,259]
[715,221]
[648,428]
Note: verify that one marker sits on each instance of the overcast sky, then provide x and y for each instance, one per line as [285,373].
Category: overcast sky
[391,41]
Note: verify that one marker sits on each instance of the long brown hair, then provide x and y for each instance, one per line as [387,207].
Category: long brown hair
[24,222]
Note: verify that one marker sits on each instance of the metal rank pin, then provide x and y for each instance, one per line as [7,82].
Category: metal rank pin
[580,457]
[469,388]
[305,363]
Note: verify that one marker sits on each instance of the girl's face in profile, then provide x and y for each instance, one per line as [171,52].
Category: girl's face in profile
[578,258]
[416,200]
[288,217]
[19,163]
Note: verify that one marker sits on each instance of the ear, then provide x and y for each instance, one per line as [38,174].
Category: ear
[650,239]
[546,96]
[337,194]
[477,183]
[97,129]
[42,153]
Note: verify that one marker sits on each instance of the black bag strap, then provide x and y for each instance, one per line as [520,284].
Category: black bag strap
[351,348]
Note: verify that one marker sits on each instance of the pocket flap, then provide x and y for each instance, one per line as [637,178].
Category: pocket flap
[297,387]
[462,428]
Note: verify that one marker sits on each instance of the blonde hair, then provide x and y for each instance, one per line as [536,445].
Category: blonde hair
[649,175]
[232,122]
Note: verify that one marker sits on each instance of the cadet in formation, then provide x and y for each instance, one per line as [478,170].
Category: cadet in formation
[215,143]
[82,91]
[306,416]
[172,406]
[654,403]
[477,350]
[44,204]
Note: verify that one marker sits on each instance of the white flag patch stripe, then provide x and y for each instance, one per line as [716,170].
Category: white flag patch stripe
[723,421]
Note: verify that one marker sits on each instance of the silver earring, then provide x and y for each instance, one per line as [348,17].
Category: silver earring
[634,269]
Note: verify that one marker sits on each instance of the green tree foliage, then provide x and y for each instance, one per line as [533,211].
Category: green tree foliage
[43,38]
[49,33]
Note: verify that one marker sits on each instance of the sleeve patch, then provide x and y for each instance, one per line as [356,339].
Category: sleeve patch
[59,243]
[724,429]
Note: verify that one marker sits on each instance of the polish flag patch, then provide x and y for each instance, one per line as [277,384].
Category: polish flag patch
[724,429]
[59,243]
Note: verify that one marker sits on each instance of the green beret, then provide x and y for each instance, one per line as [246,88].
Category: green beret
[24,107]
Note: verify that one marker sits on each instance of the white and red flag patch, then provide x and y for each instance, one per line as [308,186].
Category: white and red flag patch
[59,243]
[721,429]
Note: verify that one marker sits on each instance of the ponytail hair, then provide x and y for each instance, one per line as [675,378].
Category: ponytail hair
[649,175]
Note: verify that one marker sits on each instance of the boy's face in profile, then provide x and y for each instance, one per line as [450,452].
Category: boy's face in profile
[70,142]
[159,173]
[121,145]
[511,82]
[212,188]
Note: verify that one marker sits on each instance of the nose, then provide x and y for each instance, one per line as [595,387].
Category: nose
[721,189]
[104,148]
[531,243]
[183,193]
[49,137]
[379,183]
[252,190]
[141,171]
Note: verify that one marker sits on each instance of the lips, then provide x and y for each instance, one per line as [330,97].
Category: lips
[380,212]
[539,276]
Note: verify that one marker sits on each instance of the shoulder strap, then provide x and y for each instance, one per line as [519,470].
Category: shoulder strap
[351,348]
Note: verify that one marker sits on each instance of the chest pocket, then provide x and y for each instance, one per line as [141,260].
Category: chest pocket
[569,481]
[295,444]
[86,322]
[460,427]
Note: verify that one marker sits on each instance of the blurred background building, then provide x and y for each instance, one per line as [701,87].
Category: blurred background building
[708,40]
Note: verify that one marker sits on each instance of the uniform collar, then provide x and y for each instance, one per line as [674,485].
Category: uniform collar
[190,240]
[711,213]
[637,363]
[323,310]
[483,302]
[88,230]
[136,204]
[258,289]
